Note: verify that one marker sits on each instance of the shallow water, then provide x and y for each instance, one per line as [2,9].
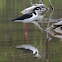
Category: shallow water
[13,34]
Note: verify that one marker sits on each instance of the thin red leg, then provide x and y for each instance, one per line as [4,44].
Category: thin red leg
[26,33]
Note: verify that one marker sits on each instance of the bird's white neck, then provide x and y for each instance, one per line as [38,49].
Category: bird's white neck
[36,12]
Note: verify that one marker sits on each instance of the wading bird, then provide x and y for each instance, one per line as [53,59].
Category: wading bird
[30,17]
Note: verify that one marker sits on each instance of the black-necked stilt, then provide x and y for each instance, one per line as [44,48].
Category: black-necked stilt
[29,17]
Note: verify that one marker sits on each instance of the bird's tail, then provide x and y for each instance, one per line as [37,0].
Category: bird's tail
[15,20]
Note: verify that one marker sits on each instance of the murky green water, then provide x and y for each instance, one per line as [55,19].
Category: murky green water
[12,34]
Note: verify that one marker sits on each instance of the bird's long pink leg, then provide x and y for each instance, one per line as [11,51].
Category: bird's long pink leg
[26,33]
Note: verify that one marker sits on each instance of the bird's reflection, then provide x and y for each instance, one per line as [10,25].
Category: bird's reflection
[56,29]
[29,49]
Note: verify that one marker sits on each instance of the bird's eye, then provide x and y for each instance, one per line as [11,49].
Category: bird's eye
[38,9]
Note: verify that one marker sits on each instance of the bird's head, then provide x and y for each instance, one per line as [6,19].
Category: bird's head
[43,10]
[37,10]
[40,10]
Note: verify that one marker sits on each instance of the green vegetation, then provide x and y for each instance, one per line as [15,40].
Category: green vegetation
[2,57]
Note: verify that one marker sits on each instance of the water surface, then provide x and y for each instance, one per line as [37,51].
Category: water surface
[12,34]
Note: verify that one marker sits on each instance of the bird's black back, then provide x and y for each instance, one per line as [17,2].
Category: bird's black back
[24,17]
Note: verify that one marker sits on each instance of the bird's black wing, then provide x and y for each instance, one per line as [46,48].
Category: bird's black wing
[24,17]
